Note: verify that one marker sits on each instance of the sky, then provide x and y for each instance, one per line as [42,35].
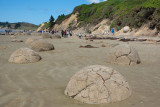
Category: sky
[37,11]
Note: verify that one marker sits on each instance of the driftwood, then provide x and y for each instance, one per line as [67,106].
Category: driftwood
[87,46]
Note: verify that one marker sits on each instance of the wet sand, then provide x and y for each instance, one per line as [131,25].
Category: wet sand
[42,84]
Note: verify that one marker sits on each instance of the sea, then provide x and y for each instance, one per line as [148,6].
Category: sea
[2,31]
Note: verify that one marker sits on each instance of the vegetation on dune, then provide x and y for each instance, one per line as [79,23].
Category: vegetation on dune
[121,12]
[46,25]
[60,18]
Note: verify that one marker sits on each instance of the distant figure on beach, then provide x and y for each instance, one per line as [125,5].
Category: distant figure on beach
[80,35]
[118,28]
[70,33]
[113,31]
[42,31]
[62,33]
[106,32]
[65,33]
[52,32]
[7,32]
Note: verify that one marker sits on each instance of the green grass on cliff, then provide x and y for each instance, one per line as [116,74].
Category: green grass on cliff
[108,9]
[121,12]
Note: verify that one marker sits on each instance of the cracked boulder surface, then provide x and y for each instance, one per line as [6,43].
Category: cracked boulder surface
[123,54]
[41,45]
[98,84]
[24,55]
[32,39]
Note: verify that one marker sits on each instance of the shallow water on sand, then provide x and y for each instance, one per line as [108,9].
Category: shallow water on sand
[42,84]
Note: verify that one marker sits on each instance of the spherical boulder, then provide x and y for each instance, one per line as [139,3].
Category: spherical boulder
[126,29]
[32,39]
[41,45]
[24,55]
[46,35]
[98,84]
[56,36]
[123,54]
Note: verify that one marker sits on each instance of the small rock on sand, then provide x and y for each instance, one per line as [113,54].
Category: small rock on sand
[126,29]
[3,47]
[17,40]
[88,46]
[13,36]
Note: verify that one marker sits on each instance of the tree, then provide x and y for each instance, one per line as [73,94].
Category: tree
[17,25]
[9,25]
[51,22]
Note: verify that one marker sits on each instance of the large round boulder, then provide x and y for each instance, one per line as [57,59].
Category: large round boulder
[24,55]
[32,39]
[98,84]
[46,35]
[123,54]
[41,45]
[126,29]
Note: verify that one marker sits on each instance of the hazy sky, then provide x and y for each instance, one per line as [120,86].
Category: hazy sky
[37,11]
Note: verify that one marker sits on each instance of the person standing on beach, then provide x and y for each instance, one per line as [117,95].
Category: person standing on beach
[118,28]
[112,31]
[42,32]
[70,33]
[52,32]
[65,33]
[80,35]
[62,33]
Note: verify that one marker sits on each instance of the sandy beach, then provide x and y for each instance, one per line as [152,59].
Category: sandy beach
[42,84]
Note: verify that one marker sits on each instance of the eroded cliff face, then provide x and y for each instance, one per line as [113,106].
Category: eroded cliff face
[72,23]
[67,23]
[40,27]
[103,27]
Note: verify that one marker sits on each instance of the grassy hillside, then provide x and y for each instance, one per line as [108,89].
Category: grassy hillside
[19,25]
[121,12]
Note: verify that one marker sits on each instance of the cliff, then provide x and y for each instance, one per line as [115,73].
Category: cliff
[96,18]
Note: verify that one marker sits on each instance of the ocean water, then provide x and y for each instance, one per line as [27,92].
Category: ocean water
[2,31]
[14,31]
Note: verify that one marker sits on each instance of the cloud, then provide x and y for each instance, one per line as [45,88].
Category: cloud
[95,1]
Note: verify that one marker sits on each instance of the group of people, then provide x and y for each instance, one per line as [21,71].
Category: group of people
[7,31]
[66,33]
[52,32]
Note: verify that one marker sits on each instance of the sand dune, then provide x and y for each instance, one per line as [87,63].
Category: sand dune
[42,84]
